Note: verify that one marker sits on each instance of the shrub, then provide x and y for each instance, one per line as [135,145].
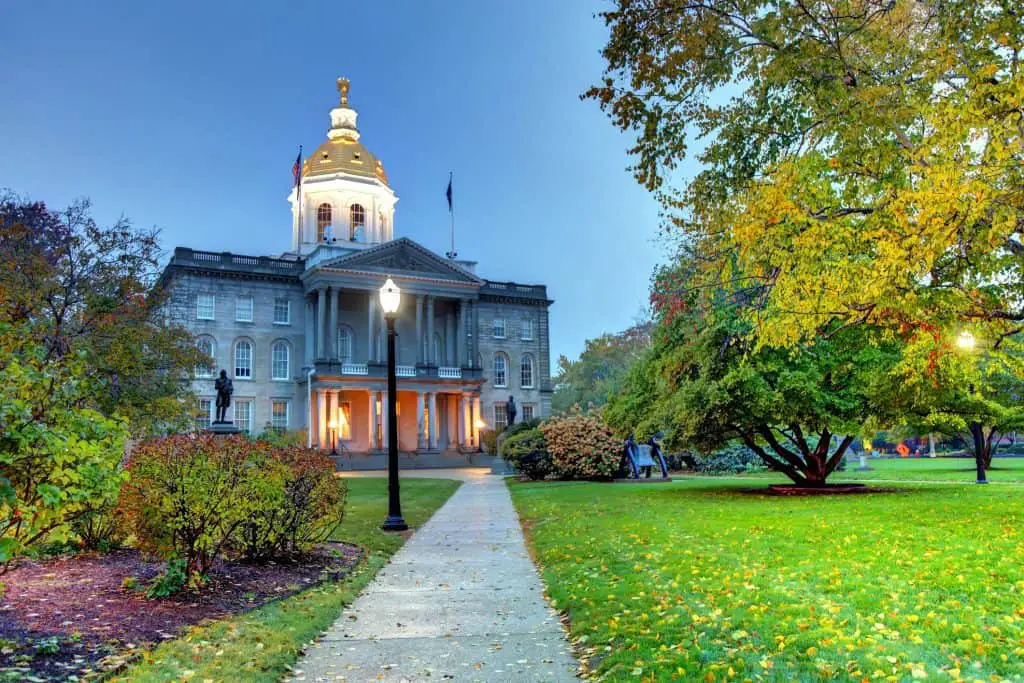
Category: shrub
[187,494]
[582,446]
[489,441]
[297,503]
[731,459]
[171,580]
[282,438]
[99,529]
[520,427]
[527,451]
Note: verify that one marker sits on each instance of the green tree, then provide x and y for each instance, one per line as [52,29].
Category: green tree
[59,459]
[706,383]
[600,369]
[79,289]
[863,158]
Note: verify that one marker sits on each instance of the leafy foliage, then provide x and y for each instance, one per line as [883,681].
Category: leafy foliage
[600,369]
[298,502]
[187,495]
[173,579]
[59,460]
[582,446]
[85,293]
[731,459]
[527,451]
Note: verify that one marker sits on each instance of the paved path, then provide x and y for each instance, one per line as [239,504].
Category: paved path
[460,601]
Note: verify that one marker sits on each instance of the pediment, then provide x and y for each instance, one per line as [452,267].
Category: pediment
[402,257]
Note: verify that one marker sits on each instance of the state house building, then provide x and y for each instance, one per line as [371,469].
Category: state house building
[303,337]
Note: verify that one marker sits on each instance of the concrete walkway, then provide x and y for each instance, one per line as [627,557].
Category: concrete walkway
[460,601]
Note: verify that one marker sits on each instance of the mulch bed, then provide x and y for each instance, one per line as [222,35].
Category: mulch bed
[72,615]
[826,490]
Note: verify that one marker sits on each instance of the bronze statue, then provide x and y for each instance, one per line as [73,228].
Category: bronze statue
[224,391]
[510,411]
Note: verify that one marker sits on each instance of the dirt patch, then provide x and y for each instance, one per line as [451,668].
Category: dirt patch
[826,490]
[73,615]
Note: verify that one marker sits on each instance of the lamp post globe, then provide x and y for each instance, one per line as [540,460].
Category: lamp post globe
[966,341]
[390,298]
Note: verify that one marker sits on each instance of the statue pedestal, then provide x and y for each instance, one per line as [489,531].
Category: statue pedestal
[223,428]
[499,465]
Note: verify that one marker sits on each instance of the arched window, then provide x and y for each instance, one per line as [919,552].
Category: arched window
[357,220]
[243,359]
[500,370]
[526,371]
[323,219]
[208,348]
[280,355]
[345,337]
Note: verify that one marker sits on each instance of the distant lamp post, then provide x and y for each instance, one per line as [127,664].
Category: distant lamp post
[479,424]
[966,342]
[390,297]
[333,426]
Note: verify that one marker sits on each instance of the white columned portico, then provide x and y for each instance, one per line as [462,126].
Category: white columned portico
[477,418]
[321,318]
[419,329]
[432,410]
[332,327]
[371,347]
[421,438]
[431,360]
[460,417]
[460,340]
[321,417]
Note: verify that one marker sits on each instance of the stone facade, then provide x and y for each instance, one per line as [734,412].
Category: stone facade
[303,336]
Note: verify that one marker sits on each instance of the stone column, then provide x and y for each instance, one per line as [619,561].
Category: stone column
[460,338]
[382,340]
[371,347]
[460,418]
[476,417]
[321,417]
[332,326]
[321,319]
[421,437]
[430,331]
[449,338]
[476,334]
[432,409]
[384,419]
[371,420]
[419,329]
[308,328]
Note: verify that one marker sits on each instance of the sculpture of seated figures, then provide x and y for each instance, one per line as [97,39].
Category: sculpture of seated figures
[357,234]
[640,459]
[329,233]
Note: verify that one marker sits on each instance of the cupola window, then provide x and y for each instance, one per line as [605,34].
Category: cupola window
[323,219]
[357,218]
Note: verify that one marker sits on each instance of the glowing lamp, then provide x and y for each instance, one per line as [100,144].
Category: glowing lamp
[480,424]
[390,296]
[333,424]
[966,341]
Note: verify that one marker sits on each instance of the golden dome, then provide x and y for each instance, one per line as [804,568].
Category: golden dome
[343,155]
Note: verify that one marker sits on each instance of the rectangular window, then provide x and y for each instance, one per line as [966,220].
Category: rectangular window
[279,414]
[243,309]
[528,412]
[498,328]
[282,312]
[243,415]
[243,360]
[206,304]
[204,414]
[527,330]
[500,416]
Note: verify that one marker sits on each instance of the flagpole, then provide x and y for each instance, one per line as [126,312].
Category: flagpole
[298,189]
[451,213]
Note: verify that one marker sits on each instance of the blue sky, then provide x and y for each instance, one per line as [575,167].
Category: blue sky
[188,116]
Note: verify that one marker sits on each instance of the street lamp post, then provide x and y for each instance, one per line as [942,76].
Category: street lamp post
[967,342]
[390,296]
[333,426]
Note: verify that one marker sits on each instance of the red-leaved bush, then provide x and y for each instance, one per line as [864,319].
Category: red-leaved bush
[582,446]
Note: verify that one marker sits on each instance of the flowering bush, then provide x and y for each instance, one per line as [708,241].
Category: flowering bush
[582,446]
[527,451]
[298,503]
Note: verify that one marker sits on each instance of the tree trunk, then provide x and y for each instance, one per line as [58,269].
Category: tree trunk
[808,467]
[982,450]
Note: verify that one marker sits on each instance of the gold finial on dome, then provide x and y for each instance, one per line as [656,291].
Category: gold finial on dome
[343,86]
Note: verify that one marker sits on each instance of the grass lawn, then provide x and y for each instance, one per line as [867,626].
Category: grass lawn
[261,645]
[958,470]
[698,580]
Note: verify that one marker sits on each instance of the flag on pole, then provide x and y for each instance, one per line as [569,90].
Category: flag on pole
[449,193]
[297,169]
